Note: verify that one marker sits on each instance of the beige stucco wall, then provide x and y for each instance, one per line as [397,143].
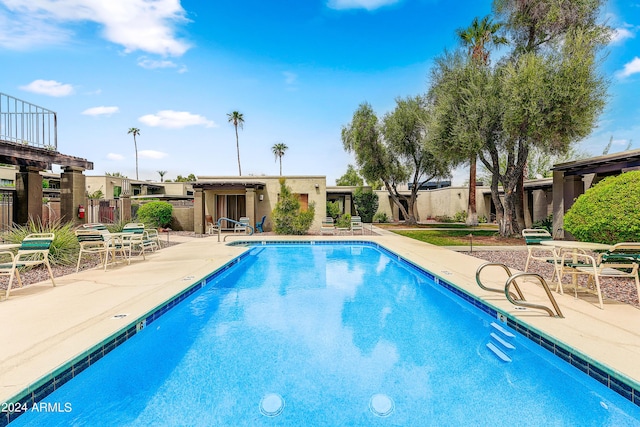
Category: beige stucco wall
[433,203]
[313,186]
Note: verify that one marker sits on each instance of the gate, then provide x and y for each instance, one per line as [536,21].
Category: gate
[6,209]
[103,211]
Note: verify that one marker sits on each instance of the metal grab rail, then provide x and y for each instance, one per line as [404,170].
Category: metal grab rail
[497,264]
[531,305]
[234,222]
[519,299]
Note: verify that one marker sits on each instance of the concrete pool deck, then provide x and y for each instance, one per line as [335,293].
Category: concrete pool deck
[43,327]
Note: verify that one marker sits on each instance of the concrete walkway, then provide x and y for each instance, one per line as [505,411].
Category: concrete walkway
[45,327]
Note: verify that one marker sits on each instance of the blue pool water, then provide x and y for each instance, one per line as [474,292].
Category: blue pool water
[328,335]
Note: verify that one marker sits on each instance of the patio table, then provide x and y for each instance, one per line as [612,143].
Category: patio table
[574,247]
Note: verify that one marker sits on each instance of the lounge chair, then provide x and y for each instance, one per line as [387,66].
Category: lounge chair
[532,238]
[260,225]
[34,250]
[356,225]
[328,226]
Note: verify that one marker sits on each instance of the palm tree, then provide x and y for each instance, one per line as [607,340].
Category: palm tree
[162,173]
[135,132]
[477,37]
[238,120]
[278,150]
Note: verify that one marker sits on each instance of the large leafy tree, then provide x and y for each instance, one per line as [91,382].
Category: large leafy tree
[546,94]
[395,150]
[278,151]
[237,119]
[135,132]
[350,178]
[477,38]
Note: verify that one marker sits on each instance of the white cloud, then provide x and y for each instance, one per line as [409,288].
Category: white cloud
[621,34]
[175,119]
[290,78]
[359,4]
[146,25]
[152,154]
[114,156]
[630,68]
[100,111]
[151,64]
[48,87]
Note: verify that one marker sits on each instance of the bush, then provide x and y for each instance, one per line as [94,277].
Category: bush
[155,214]
[380,217]
[287,216]
[546,224]
[333,209]
[460,216]
[63,250]
[608,212]
[366,203]
[344,221]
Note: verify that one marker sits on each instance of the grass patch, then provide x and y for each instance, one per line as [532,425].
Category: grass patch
[447,225]
[456,237]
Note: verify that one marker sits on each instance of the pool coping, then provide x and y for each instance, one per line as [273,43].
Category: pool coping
[626,387]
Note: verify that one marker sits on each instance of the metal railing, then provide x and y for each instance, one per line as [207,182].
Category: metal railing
[233,221]
[22,122]
[517,298]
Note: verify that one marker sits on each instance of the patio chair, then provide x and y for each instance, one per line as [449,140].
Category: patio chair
[34,250]
[260,225]
[152,234]
[328,226]
[135,237]
[98,242]
[620,261]
[356,225]
[532,238]
[212,226]
[242,225]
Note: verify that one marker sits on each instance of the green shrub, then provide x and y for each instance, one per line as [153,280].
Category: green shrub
[333,209]
[63,250]
[366,203]
[344,221]
[546,224]
[608,212]
[287,216]
[444,218]
[380,217]
[155,214]
[460,216]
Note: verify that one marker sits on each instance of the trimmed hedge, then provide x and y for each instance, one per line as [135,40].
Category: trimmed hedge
[608,212]
[155,214]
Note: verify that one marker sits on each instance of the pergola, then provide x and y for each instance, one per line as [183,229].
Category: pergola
[572,179]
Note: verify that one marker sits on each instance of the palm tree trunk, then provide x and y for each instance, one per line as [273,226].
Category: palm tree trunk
[238,150]
[135,144]
[280,165]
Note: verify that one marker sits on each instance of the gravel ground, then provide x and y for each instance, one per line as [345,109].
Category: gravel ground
[623,289]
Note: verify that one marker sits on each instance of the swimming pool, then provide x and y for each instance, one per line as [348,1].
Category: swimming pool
[328,335]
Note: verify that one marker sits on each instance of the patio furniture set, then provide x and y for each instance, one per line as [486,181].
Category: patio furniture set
[135,240]
[573,258]
[329,227]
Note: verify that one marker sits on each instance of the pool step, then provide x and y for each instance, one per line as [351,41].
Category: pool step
[500,342]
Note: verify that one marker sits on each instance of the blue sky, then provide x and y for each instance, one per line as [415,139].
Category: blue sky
[297,70]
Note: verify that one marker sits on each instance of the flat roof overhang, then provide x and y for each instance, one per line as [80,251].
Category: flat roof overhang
[229,185]
[610,163]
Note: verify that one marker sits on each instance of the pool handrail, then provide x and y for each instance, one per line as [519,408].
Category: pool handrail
[519,300]
[234,222]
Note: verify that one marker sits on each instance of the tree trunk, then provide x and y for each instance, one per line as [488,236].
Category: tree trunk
[472,215]
[409,219]
[238,150]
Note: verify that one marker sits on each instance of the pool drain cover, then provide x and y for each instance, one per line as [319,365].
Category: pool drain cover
[272,405]
[381,405]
